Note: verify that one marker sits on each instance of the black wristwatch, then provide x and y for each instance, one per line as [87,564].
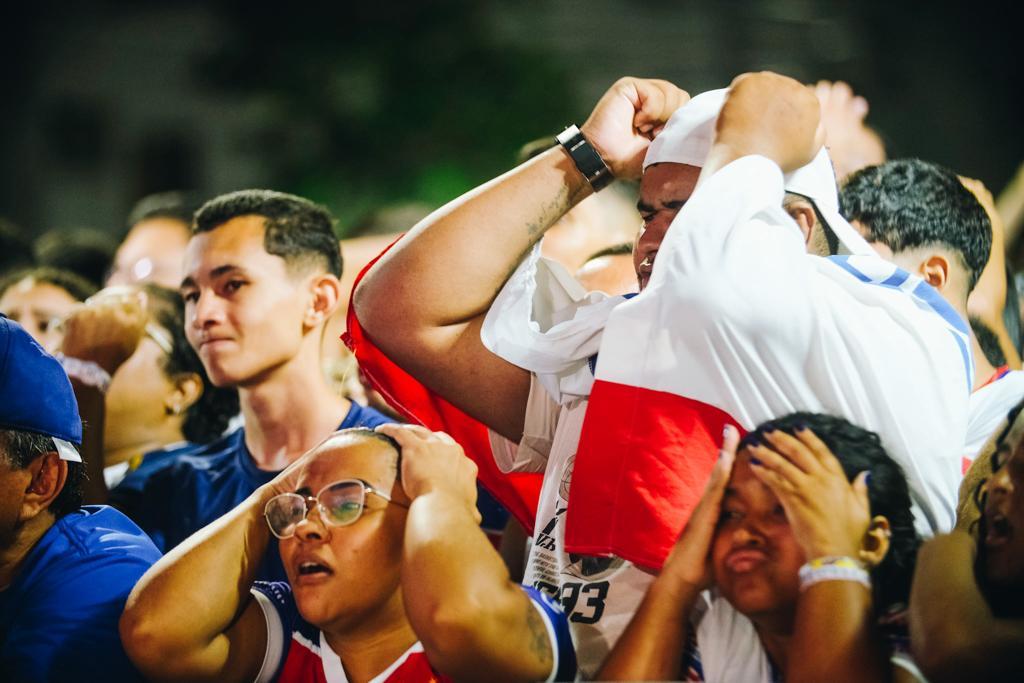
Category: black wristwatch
[586,158]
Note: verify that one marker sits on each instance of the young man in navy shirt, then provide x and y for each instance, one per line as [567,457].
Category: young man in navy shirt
[261,279]
[65,570]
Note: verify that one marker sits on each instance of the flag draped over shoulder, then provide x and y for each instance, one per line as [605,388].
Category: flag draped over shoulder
[517,492]
[739,325]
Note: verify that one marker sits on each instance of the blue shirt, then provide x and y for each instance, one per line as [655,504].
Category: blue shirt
[177,496]
[58,619]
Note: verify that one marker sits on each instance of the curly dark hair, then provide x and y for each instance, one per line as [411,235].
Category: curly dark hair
[909,203]
[858,450]
[207,418]
[297,230]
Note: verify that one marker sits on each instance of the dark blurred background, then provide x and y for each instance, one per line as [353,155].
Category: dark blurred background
[360,105]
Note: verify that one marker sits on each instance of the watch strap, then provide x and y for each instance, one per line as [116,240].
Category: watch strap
[585,157]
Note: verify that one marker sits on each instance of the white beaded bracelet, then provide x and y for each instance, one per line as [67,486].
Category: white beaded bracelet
[833,569]
[85,371]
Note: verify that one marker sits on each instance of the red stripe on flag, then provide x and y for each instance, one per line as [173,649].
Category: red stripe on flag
[643,460]
[517,492]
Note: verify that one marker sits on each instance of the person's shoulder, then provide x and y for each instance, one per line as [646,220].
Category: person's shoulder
[210,457]
[89,558]
[365,416]
[102,531]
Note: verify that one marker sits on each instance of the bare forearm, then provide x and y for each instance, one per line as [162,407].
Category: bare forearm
[460,601]
[834,638]
[653,645]
[953,631]
[190,598]
[448,269]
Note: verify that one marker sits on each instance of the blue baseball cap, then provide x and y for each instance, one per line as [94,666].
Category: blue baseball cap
[35,393]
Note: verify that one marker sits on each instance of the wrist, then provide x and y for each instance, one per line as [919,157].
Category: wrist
[833,568]
[587,159]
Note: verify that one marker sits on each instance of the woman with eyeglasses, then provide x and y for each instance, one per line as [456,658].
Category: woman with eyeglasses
[967,607]
[389,579]
[158,399]
[38,298]
[794,566]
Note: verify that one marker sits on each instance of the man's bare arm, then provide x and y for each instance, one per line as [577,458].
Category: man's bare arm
[424,302]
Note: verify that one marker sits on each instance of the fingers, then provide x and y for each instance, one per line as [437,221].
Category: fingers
[656,101]
[860,488]
[795,451]
[822,453]
[783,477]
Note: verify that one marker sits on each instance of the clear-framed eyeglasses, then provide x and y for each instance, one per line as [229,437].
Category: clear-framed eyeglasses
[339,504]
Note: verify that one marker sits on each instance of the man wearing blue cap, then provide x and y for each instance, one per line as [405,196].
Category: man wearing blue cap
[65,570]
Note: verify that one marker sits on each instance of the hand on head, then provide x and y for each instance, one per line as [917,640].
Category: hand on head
[433,461]
[828,514]
[627,117]
[689,560]
[771,115]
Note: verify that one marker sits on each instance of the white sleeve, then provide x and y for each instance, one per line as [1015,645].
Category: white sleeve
[275,638]
[531,453]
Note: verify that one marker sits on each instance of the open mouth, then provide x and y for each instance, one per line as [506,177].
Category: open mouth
[999,530]
[312,569]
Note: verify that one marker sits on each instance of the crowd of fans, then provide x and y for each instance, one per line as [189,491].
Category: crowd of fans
[785,400]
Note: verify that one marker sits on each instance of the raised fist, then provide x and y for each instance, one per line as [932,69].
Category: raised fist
[771,115]
[107,328]
[627,118]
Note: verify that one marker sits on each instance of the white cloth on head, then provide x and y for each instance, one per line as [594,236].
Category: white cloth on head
[871,353]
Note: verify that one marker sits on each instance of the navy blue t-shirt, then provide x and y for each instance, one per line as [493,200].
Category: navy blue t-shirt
[179,496]
[58,619]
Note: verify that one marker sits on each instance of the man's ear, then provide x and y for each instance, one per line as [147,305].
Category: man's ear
[875,545]
[803,215]
[935,271]
[48,474]
[325,290]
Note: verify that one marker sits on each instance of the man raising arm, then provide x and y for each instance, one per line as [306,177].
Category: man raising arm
[423,303]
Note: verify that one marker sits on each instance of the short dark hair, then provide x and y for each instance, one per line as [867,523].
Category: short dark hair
[207,418]
[909,203]
[22,447]
[83,251]
[176,205]
[75,285]
[858,450]
[297,230]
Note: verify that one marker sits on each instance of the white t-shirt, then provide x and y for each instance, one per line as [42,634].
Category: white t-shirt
[989,406]
[739,317]
[599,595]
[726,647]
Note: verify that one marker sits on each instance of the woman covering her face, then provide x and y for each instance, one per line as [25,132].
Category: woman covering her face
[795,565]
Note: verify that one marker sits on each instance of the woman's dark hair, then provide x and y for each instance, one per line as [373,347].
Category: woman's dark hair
[75,285]
[207,418]
[858,450]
